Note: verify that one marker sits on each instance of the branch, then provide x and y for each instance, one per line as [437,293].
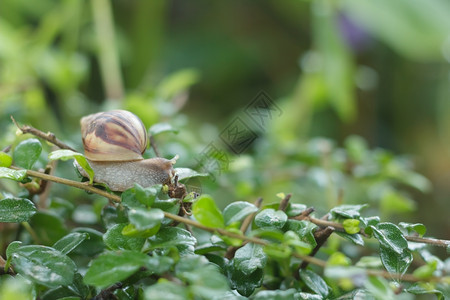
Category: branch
[49,136]
[340,227]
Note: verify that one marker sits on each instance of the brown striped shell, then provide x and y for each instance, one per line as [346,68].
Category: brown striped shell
[116,135]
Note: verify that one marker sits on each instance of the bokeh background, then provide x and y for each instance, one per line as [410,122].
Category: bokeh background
[335,68]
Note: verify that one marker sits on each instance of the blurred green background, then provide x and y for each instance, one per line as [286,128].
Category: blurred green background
[377,69]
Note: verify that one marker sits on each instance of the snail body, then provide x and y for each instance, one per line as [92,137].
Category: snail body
[113,144]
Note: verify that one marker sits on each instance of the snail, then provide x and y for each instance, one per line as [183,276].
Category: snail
[114,142]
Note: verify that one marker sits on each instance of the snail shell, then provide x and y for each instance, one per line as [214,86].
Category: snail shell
[116,135]
[113,143]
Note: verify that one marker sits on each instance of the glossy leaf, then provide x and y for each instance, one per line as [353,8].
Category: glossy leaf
[249,258]
[91,246]
[390,236]
[44,265]
[69,242]
[244,287]
[112,267]
[354,238]
[27,153]
[144,219]
[314,282]
[115,240]
[139,197]
[17,175]
[16,210]
[347,211]
[418,227]
[5,159]
[172,236]
[237,211]
[64,154]
[206,212]
[395,262]
[270,218]
[186,173]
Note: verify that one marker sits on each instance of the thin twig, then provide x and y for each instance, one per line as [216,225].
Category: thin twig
[49,136]
[284,203]
[321,237]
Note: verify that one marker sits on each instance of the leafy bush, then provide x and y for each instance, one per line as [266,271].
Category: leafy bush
[144,244]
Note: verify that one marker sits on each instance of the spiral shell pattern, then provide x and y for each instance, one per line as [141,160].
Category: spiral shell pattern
[116,135]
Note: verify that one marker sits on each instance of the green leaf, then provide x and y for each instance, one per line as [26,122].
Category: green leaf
[17,175]
[172,236]
[164,290]
[48,227]
[44,265]
[204,280]
[347,211]
[338,259]
[16,210]
[65,154]
[354,238]
[144,219]
[115,240]
[421,288]
[171,205]
[304,229]
[270,218]
[112,267]
[27,153]
[314,282]
[70,242]
[426,271]
[12,247]
[139,197]
[91,246]
[395,262]
[249,258]
[244,287]
[418,227]
[186,173]
[237,211]
[5,160]
[379,288]
[206,212]
[390,236]
[276,295]
[161,128]
[351,226]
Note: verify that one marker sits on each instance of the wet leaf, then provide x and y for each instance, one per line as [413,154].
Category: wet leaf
[16,210]
[27,153]
[44,265]
[17,175]
[237,211]
[186,173]
[314,282]
[112,267]
[64,154]
[69,242]
[115,240]
[270,218]
[144,219]
[347,211]
[249,258]
[418,227]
